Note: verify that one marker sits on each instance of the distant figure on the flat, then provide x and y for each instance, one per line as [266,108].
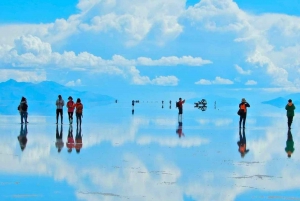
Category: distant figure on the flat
[179,104]
[70,106]
[23,107]
[132,111]
[59,138]
[242,144]
[132,103]
[70,140]
[243,111]
[79,109]
[22,138]
[59,108]
[78,140]
[290,107]
[289,149]
[179,130]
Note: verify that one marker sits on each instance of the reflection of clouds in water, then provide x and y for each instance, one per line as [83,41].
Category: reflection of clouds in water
[172,141]
[164,121]
[216,122]
[5,120]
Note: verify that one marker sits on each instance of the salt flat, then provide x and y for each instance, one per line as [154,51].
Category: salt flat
[148,156]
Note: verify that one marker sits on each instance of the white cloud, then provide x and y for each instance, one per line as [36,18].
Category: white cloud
[241,71]
[165,81]
[251,82]
[203,82]
[74,83]
[22,75]
[172,60]
[217,80]
[220,80]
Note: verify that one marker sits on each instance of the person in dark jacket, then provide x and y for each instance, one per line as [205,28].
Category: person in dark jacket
[290,107]
[243,111]
[23,110]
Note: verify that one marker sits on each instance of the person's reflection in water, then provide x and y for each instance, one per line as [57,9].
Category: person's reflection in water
[179,130]
[132,111]
[70,139]
[78,140]
[59,138]
[242,143]
[23,137]
[289,149]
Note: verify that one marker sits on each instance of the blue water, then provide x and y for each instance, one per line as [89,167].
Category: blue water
[148,156]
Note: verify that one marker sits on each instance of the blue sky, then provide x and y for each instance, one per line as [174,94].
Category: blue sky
[127,46]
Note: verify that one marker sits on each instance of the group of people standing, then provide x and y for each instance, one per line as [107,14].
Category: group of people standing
[71,105]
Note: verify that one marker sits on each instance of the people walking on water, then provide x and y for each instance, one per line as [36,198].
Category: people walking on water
[70,106]
[242,143]
[79,108]
[78,140]
[179,104]
[290,107]
[70,140]
[243,112]
[59,108]
[59,138]
[289,149]
[23,110]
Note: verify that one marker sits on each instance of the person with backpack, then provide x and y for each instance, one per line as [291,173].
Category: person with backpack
[290,107]
[79,108]
[243,111]
[23,110]
[179,104]
[70,106]
[59,108]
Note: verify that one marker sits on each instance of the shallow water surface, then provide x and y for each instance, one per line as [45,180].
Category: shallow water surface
[148,155]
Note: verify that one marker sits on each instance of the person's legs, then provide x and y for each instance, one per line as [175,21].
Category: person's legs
[290,121]
[57,112]
[22,117]
[61,115]
[240,121]
[244,120]
[25,117]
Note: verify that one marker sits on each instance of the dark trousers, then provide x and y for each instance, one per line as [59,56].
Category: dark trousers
[243,119]
[59,112]
[70,116]
[78,119]
[290,120]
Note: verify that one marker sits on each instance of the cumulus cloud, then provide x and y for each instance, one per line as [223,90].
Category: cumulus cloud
[217,80]
[22,75]
[251,82]
[275,53]
[74,83]
[242,71]
[203,82]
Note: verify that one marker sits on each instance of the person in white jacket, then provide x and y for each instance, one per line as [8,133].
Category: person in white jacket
[59,108]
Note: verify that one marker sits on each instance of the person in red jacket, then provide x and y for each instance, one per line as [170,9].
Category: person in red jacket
[179,104]
[70,106]
[79,108]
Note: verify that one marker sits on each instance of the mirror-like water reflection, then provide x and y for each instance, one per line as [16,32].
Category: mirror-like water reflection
[149,154]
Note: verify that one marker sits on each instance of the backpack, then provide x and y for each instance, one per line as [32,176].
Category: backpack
[24,106]
[177,104]
[243,107]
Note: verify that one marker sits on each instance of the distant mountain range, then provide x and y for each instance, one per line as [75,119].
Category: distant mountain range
[282,101]
[42,96]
